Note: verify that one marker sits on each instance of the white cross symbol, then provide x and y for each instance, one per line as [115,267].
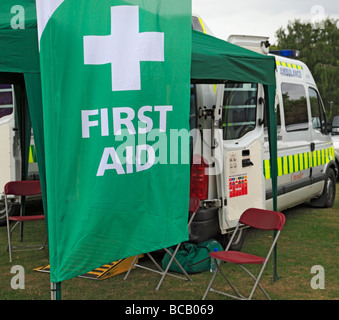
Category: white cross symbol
[124,48]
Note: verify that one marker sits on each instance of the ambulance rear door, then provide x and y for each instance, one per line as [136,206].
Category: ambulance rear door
[9,137]
[240,182]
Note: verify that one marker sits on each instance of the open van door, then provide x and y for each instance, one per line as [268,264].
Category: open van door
[240,118]
[10,156]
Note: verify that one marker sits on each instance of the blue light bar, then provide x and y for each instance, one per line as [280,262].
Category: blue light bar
[286,53]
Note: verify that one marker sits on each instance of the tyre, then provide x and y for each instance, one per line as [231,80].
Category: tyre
[326,200]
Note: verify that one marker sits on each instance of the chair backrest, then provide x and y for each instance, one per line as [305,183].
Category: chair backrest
[263,219]
[23,188]
[194,204]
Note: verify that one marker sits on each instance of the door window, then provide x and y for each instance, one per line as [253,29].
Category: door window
[295,106]
[239,109]
[319,119]
[6,100]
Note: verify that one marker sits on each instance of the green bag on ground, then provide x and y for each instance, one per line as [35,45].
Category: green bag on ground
[193,258]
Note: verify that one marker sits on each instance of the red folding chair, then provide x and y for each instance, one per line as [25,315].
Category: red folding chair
[255,218]
[193,208]
[22,189]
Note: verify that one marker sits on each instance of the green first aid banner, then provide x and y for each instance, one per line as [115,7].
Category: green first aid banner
[116,92]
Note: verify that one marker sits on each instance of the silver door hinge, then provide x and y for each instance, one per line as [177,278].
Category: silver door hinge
[214,203]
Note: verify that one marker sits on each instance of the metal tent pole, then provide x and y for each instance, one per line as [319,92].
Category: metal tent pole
[55,290]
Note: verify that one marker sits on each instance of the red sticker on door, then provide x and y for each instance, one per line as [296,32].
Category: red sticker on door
[237,186]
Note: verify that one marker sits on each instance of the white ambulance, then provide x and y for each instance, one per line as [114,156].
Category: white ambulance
[10,155]
[234,173]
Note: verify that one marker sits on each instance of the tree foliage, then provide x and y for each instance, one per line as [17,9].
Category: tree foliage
[318,44]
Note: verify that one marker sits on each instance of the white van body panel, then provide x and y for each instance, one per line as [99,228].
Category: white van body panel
[6,165]
[10,158]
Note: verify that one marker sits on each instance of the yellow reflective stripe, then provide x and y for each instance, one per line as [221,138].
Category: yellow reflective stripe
[285,165]
[327,155]
[296,166]
[267,169]
[289,65]
[319,161]
[32,154]
[280,167]
[323,156]
[332,153]
[306,160]
[290,164]
[300,161]
[314,158]
[202,25]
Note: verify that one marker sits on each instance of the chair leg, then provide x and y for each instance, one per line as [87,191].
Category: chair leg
[8,231]
[210,284]
[131,267]
[218,269]
[9,242]
[22,213]
[256,282]
[11,248]
[154,262]
[169,264]
[134,264]
[45,243]
[230,284]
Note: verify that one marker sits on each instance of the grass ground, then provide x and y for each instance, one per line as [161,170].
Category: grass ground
[310,238]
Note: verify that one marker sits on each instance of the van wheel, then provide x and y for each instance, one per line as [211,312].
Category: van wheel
[330,189]
[238,240]
[326,200]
